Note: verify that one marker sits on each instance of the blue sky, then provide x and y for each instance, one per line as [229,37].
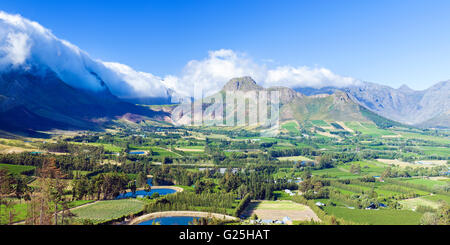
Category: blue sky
[390,42]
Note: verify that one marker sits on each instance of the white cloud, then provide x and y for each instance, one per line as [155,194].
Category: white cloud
[24,42]
[305,77]
[220,66]
[212,73]
[143,84]
[16,48]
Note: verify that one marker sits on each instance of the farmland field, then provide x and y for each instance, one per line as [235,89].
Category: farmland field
[20,210]
[368,129]
[107,210]
[292,127]
[277,210]
[16,169]
[320,123]
[376,217]
[294,158]
[412,203]
[428,182]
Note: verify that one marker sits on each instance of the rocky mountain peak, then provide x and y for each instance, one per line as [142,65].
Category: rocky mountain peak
[242,84]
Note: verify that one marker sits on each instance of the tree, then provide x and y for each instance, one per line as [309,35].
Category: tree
[254,217]
[325,161]
[51,187]
[429,218]
[141,179]
[444,214]
[132,186]
[80,188]
[147,188]
[306,174]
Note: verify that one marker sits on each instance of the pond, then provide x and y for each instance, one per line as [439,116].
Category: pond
[142,193]
[172,220]
[137,152]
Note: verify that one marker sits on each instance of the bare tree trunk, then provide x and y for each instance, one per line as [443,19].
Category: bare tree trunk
[56,214]
[41,217]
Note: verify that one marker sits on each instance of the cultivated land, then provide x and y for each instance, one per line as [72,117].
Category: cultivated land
[103,211]
[277,210]
[376,217]
[358,172]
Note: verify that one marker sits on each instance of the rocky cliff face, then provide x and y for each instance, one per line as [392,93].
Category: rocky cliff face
[243,84]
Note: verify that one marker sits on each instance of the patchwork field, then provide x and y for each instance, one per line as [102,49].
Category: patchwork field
[107,210]
[368,129]
[16,169]
[295,158]
[19,209]
[429,163]
[370,168]
[292,127]
[413,203]
[376,217]
[277,210]
[428,182]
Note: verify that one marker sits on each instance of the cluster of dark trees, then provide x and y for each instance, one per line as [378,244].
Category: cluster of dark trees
[208,202]
[393,172]
[258,182]
[101,186]
[64,162]
[168,175]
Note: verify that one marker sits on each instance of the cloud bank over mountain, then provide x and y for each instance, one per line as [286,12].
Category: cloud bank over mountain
[25,43]
[211,73]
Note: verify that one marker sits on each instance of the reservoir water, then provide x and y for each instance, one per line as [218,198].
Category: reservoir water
[137,153]
[143,193]
[172,220]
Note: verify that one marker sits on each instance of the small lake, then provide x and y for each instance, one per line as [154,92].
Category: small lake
[137,153]
[143,193]
[173,220]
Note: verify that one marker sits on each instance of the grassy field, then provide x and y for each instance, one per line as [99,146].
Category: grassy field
[335,173]
[157,151]
[107,210]
[368,168]
[16,169]
[438,151]
[277,210]
[295,158]
[412,203]
[107,147]
[427,182]
[368,129]
[20,210]
[376,217]
[438,198]
[292,127]
[320,123]
[280,205]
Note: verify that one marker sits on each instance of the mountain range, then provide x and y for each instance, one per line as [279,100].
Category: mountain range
[428,108]
[294,106]
[48,83]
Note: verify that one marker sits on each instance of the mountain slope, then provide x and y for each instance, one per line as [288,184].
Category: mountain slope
[25,43]
[426,108]
[37,99]
[338,106]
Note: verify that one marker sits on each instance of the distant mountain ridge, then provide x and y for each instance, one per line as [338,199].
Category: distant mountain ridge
[426,108]
[36,99]
[338,106]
